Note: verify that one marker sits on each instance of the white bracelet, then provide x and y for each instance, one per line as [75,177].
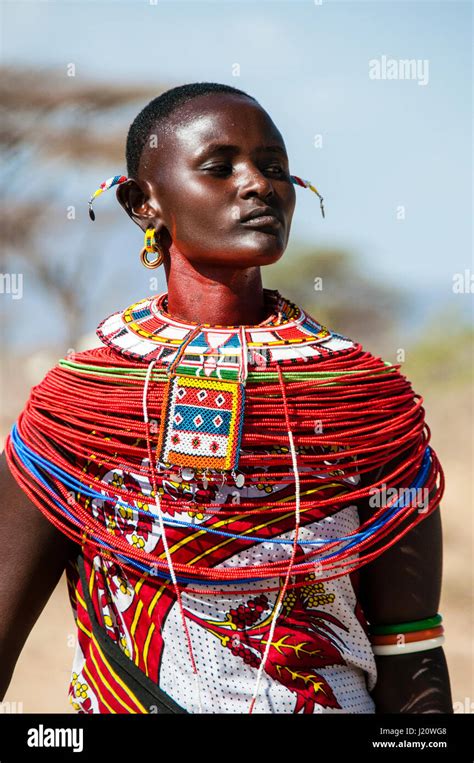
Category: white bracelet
[408,646]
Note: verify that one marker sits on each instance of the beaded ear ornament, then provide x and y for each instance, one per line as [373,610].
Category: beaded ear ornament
[118,179]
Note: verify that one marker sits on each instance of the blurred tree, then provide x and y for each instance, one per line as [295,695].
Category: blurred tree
[442,366]
[55,127]
[332,287]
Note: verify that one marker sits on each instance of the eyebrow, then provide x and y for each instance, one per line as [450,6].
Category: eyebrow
[231,148]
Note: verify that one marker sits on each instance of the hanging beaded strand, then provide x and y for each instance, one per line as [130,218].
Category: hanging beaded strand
[307,184]
[281,595]
[115,180]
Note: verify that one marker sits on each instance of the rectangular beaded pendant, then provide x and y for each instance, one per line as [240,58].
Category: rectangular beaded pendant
[202,422]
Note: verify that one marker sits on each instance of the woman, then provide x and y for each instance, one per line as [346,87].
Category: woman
[211,478]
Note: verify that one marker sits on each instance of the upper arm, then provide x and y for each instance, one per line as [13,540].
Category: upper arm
[404,582]
[33,555]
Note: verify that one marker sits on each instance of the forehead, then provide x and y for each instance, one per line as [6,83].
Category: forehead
[217,116]
[194,128]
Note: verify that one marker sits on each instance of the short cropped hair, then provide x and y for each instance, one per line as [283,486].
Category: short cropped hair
[158,112]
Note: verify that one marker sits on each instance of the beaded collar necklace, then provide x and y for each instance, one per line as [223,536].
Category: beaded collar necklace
[146,331]
[207,366]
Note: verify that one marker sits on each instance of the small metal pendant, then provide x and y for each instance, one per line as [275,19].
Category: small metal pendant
[187,473]
[239,479]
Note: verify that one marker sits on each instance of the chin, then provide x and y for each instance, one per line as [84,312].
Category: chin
[264,251]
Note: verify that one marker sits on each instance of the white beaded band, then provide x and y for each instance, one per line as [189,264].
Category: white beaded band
[408,646]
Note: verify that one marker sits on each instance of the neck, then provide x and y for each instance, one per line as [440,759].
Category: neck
[200,293]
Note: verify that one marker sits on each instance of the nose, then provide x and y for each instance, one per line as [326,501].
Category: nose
[253,182]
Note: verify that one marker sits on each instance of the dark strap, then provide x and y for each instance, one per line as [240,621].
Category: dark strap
[145,690]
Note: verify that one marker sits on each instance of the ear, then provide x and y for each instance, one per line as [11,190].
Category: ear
[135,201]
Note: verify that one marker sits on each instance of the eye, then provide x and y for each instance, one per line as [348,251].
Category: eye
[276,167]
[219,168]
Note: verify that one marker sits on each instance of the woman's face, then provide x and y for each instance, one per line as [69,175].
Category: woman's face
[220,160]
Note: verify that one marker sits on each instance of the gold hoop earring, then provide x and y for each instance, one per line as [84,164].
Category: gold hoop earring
[151,246]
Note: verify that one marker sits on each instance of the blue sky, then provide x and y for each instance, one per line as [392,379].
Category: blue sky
[385,143]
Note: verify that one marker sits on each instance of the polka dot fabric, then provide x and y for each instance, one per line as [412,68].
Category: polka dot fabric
[320,659]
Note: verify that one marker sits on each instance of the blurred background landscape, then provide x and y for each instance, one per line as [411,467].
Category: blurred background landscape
[393,160]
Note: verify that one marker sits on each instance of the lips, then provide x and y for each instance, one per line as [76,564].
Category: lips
[264,215]
[263,222]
